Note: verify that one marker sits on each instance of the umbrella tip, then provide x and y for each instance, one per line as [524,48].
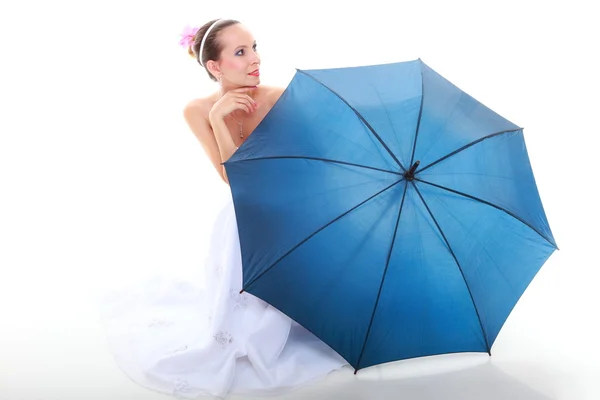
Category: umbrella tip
[241,291]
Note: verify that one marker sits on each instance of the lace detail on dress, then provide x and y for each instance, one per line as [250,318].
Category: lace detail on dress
[240,300]
[224,339]
[181,386]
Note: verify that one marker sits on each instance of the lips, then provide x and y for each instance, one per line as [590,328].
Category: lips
[254,73]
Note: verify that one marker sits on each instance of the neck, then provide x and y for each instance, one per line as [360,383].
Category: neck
[228,87]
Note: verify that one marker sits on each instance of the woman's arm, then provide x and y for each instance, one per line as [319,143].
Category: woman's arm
[225,144]
[216,151]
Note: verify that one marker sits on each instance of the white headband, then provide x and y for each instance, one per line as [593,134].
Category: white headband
[204,40]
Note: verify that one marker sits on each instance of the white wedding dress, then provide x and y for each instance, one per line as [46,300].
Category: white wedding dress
[175,338]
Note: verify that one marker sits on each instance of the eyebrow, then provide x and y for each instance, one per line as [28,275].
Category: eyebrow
[243,46]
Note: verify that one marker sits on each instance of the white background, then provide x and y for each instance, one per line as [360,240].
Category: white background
[101,182]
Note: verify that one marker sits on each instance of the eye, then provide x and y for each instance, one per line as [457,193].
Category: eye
[240,52]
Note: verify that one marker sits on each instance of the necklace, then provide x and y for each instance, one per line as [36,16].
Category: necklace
[241,125]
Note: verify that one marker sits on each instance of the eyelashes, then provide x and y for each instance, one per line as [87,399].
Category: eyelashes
[241,52]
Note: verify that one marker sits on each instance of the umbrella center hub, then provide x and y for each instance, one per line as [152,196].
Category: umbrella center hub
[409,175]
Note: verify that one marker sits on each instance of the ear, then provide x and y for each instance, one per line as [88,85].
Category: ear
[214,68]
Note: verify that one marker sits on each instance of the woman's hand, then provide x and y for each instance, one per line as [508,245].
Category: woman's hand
[237,99]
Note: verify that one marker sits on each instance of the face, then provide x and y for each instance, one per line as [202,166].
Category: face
[240,62]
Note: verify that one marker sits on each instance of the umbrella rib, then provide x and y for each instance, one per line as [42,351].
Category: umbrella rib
[491,205]
[412,157]
[387,264]
[360,117]
[457,264]
[319,230]
[491,135]
[322,159]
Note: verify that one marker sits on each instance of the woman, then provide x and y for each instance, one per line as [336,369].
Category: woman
[176,342]
[225,119]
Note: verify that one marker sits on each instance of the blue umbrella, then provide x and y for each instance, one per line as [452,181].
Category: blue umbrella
[388,212]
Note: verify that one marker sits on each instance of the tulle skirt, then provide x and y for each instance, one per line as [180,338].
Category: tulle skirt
[177,338]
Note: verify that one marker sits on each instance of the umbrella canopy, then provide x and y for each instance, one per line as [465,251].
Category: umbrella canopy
[388,212]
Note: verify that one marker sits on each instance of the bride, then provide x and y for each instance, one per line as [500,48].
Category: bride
[187,342]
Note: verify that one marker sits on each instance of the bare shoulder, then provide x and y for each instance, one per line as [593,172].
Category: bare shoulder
[199,107]
[272,93]
[196,114]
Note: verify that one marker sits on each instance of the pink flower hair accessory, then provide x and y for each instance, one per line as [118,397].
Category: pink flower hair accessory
[187,36]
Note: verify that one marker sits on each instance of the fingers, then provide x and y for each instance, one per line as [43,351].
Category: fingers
[244,96]
[241,100]
[250,104]
[247,100]
[246,106]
